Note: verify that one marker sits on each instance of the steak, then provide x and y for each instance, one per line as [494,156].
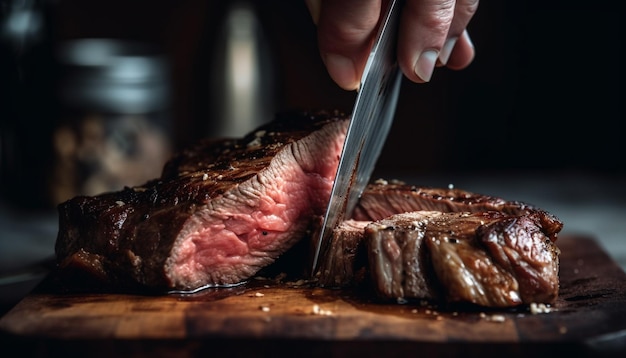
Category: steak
[398,260]
[221,211]
[489,258]
[344,256]
[381,200]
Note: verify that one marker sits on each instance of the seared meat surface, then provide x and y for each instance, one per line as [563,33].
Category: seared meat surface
[383,199]
[221,211]
[503,238]
[344,257]
[399,262]
[487,258]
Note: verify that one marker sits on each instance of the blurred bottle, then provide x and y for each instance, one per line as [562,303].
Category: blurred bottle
[114,119]
[241,74]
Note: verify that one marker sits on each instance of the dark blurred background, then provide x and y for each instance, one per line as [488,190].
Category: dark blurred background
[95,95]
[545,91]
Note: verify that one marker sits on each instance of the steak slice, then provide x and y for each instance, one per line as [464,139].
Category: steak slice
[382,199]
[344,256]
[221,211]
[399,263]
[490,258]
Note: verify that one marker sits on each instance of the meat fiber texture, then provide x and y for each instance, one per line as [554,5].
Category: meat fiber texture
[223,210]
[489,258]
[220,212]
[448,245]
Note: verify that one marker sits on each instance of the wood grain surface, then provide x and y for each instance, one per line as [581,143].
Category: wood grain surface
[270,318]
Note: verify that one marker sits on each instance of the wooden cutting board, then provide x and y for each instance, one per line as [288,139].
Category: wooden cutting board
[270,319]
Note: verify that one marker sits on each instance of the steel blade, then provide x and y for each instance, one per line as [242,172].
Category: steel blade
[369,126]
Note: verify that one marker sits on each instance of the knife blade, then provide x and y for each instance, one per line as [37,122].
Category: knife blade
[371,119]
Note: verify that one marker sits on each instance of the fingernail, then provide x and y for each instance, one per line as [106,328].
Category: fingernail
[468,38]
[341,70]
[425,65]
[446,50]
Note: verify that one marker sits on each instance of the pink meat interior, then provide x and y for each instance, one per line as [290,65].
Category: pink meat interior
[249,226]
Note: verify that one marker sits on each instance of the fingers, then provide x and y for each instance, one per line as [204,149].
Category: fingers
[432,33]
[346,31]
[463,12]
[423,29]
[463,53]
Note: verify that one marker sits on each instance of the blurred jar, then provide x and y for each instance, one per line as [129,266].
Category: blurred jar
[114,119]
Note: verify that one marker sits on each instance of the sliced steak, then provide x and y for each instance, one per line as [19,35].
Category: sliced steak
[221,211]
[398,260]
[521,246]
[345,256]
[490,258]
[382,199]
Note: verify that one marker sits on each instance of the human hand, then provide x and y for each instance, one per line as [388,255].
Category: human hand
[432,33]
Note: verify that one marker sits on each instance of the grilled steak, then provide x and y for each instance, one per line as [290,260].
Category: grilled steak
[398,260]
[487,258]
[344,255]
[221,211]
[382,199]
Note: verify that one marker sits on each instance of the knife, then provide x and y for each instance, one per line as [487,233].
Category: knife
[370,122]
